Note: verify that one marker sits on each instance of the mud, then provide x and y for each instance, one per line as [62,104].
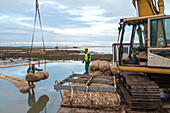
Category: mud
[12,54]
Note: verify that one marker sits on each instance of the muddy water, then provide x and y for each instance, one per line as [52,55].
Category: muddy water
[43,98]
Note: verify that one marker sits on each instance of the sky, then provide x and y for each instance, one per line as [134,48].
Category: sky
[65,22]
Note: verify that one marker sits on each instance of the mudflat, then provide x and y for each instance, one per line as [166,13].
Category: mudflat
[21,54]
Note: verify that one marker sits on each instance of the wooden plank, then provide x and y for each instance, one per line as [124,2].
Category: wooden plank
[88,110]
[37,53]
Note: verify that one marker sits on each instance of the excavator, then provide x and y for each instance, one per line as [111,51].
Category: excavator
[144,68]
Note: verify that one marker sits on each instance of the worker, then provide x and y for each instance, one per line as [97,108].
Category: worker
[135,59]
[87,60]
[32,69]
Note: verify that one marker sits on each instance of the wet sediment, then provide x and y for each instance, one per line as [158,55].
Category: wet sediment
[12,53]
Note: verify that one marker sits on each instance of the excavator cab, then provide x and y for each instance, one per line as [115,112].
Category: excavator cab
[149,41]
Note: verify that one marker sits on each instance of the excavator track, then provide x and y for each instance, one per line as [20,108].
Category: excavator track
[139,92]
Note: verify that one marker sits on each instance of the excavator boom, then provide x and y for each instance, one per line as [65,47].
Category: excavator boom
[148,7]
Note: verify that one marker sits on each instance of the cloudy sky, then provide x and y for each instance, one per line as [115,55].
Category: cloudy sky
[65,22]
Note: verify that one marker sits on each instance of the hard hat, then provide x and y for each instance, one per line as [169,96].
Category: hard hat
[33,63]
[86,48]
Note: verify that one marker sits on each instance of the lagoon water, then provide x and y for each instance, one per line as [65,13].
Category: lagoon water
[98,49]
[13,101]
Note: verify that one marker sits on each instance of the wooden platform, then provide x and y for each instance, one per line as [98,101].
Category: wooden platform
[88,110]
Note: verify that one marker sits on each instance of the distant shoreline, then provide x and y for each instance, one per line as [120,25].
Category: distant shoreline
[55,46]
[13,55]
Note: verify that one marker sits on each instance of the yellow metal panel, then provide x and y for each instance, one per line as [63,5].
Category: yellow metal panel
[160,35]
[145,70]
[37,53]
[144,8]
[142,18]
[168,57]
[161,6]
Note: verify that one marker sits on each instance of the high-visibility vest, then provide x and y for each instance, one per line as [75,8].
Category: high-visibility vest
[31,70]
[86,57]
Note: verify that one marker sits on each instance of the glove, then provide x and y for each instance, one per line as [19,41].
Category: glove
[87,62]
[83,61]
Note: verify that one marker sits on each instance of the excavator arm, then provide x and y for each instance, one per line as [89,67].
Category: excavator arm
[148,7]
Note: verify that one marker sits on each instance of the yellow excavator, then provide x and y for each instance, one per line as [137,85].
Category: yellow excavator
[145,64]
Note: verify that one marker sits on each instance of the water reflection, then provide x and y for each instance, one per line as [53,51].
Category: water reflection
[37,107]
[31,98]
[13,101]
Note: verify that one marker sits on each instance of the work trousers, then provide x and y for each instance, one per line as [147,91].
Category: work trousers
[87,67]
[30,84]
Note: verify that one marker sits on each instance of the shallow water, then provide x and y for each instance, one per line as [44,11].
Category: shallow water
[99,50]
[13,101]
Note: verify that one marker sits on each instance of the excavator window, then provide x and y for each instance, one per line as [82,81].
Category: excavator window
[160,35]
[126,40]
[139,36]
[135,33]
[167,31]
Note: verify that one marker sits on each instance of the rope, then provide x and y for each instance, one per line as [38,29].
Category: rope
[29,58]
[89,95]
[37,13]
[87,88]
[72,94]
[41,28]
[45,64]
[34,27]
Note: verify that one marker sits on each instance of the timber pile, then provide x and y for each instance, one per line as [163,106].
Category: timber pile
[21,84]
[91,99]
[30,77]
[103,68]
